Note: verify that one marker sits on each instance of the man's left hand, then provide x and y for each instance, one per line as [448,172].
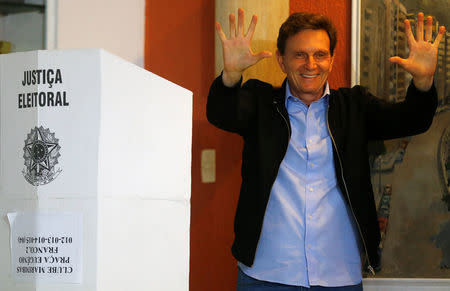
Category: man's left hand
[422,59]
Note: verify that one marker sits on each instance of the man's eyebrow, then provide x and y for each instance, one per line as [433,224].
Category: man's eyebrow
[317,51]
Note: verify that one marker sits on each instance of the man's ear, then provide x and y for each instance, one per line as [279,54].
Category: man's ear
[280,61]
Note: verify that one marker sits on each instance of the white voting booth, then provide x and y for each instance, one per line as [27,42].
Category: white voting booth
[95,158]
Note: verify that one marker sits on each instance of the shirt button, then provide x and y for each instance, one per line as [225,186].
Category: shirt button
[312,164]
[310,140]
[311,189]
[310,216]
[309,246]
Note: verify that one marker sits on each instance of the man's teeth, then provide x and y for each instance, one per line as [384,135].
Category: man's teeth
[309,76]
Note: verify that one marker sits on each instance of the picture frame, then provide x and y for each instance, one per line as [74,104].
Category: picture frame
[377,282]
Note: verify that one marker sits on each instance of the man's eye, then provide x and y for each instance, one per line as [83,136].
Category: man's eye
[301,55]
[320,55]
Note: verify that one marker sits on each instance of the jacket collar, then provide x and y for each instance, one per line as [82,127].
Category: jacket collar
[280,93]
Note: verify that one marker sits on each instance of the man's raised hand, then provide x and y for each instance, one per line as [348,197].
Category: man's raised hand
[237,52]
[422,59]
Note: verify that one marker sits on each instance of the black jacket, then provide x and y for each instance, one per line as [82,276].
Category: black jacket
[257,112]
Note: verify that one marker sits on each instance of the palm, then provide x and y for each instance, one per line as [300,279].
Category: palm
[237,54]
[422,59]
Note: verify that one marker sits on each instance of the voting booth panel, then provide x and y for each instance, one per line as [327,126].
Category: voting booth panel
[94,174]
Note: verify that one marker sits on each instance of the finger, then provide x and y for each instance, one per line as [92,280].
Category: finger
[232,22]
[439,36]
[409,34]
[220,32]
[419,31]
[428,29]
[251,28]
[240,22]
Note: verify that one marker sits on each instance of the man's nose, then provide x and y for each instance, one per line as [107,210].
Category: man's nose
[311,62]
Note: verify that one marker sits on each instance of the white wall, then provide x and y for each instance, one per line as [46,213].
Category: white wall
[115,25]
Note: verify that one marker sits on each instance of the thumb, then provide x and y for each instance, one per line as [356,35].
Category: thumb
[397,60]
[262,55]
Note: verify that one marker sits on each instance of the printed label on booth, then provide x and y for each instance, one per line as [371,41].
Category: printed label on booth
[46,246]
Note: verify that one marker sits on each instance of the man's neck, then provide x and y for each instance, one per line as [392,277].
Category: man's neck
[307,99]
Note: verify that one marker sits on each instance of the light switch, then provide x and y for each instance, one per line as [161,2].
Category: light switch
[208,164]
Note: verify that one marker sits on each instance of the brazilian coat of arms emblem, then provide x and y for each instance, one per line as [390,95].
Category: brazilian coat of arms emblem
[41,153]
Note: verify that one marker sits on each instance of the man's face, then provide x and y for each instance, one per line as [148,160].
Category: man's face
[307,62]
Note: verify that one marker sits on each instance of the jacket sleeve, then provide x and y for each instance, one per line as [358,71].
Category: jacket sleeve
[412,116]
[231,109]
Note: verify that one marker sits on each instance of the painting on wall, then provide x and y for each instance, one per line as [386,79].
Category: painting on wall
[410,176]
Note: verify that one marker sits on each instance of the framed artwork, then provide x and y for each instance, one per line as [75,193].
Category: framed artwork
[410,176]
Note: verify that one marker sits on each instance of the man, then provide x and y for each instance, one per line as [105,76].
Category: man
[306,215]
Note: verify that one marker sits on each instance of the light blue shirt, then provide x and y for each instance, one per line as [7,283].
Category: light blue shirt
[308,235]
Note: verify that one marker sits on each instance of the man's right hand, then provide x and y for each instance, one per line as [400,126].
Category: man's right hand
[237,52]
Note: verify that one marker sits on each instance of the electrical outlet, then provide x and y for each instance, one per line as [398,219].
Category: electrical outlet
[208,165]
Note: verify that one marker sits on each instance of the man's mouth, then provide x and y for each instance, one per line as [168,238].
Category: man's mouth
[309,76]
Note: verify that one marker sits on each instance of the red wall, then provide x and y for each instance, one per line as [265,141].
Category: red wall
[179,46]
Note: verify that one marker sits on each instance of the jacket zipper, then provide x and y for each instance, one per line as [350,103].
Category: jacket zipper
[348,198]
[287,125]
[287,146]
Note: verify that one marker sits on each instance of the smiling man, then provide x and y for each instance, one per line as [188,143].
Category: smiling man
[306,60]
[306,217]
